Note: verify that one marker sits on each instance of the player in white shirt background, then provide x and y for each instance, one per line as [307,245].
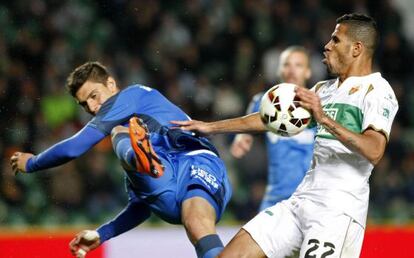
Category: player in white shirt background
[326,215]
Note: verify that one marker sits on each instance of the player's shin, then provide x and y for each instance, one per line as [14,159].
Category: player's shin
[123,150]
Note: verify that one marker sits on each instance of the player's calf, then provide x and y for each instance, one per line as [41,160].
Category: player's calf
[122,147]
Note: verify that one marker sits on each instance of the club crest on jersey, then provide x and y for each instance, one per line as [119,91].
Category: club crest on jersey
[208,179]
[353,90]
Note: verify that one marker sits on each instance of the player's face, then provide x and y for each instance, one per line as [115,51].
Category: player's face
[294,68]
[338,51]
[91,95]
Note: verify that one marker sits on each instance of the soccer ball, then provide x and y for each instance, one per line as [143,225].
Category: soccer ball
[281,112]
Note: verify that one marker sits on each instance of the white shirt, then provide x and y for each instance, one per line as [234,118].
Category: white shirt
[338,177]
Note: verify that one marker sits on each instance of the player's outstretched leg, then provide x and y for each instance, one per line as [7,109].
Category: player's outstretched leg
[147,160]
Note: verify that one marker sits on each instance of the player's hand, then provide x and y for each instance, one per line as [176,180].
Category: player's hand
[84,242]
[18,161]
[241,145]
[311,101]
[194,125]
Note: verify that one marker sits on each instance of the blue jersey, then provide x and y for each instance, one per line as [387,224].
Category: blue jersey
[157,112]
[288,160]
[191,162]
[145,102]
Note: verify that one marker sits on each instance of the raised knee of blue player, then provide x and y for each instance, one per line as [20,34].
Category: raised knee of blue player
[118,130]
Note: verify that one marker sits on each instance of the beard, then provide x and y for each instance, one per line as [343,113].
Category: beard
[332,72]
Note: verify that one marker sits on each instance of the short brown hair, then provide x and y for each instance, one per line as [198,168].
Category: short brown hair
[362,28]
[89,71]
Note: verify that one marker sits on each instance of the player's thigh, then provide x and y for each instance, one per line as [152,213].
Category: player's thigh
[276,230]
[333,237]
[204,175]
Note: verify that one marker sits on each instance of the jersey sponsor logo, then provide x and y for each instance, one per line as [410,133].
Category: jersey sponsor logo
[348,116]
[207,178]
[331,113]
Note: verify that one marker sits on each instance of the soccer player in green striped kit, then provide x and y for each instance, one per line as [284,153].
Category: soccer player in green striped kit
[326,215]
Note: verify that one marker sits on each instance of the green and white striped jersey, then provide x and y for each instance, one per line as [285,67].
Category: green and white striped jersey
[338,177]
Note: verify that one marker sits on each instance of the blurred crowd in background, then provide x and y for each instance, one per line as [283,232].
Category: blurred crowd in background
[207,56]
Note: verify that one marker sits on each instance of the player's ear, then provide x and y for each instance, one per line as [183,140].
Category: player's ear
[111,84]
[357,48]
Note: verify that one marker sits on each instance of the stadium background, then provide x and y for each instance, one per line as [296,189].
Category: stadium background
[209,57]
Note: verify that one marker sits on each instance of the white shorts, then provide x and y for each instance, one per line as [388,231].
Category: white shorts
[300,224]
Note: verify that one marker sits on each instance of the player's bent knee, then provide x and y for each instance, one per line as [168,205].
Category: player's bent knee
[118,130]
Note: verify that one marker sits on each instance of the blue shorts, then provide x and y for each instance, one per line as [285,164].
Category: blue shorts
[187,174]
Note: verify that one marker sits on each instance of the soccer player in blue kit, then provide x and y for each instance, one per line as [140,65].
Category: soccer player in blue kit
[288,157]
[174,174]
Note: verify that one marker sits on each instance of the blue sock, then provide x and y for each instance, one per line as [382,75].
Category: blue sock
[123,149]
[213,253]
[209,246]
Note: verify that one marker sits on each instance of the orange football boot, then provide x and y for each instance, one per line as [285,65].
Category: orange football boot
[147,160]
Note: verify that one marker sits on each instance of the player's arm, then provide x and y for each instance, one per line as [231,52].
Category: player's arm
[86,240]
[59,153]
[241,144]
[134,214]
[131,216]
[370,143]
[245,124]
